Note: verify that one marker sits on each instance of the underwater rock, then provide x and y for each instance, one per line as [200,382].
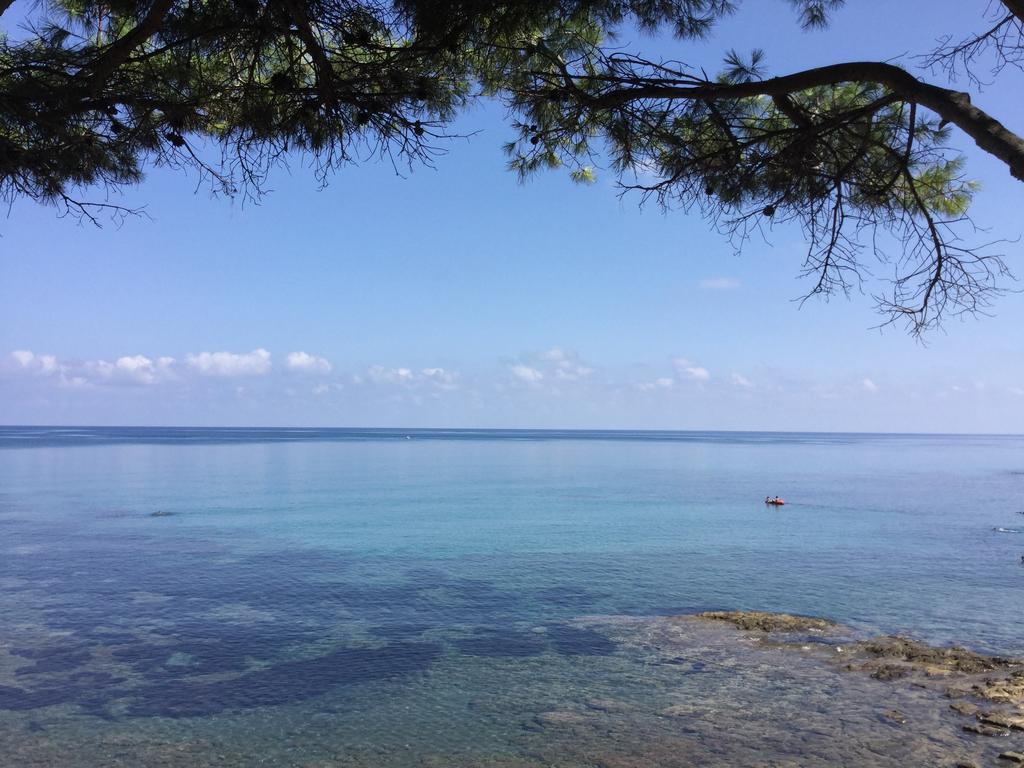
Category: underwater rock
[559,718]
[925,656]
[887,672]
[964,708]
[891,657]
[985,730]
[608,705]
[1009,689]
[161,513]
[895,716]
[1002,720]
[1013,757]
[681,710]
[768,622]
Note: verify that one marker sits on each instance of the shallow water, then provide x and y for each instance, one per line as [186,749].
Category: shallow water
[324,597]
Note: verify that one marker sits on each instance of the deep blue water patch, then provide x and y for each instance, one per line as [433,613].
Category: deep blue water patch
[579,641]
[89,690]
[495,642]
[399,631]
[206,648]
[52,660]
[569,596]
[284,682]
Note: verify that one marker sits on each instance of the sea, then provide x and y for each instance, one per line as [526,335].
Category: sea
[389,597]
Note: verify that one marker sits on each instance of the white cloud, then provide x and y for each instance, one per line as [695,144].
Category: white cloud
[307,363]
[692,371]
[526,373]
[869,385]
[23,357]
[573,373]
[440,378]
[28,361]
[719,284]
[555,363]
[134,363]
[555,355]
[143,370]
[1018,391]
[380,374]
[741,381]
[663,383]
[568,366]
[255,363]
[137,368]
[129,369]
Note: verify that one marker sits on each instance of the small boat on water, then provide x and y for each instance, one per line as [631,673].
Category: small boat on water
[775,502]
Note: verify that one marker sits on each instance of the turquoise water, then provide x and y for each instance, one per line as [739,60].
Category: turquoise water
[377,596]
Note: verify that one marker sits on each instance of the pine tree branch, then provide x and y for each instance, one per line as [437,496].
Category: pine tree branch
[952,106]
[1016,7]
[118,51]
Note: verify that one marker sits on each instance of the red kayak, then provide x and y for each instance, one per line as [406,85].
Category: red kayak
[775,502]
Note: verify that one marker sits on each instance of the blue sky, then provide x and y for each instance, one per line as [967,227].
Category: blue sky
[457,296]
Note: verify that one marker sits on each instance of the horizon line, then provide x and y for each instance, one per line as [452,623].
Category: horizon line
[518,429]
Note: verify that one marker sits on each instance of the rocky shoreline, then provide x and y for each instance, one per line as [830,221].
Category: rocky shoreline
[752,688]
[742,689]
[987,690]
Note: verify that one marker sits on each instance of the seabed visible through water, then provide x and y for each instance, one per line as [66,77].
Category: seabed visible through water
[606,692]
[190,598]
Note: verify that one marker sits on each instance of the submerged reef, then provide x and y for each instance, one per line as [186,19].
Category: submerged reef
[768,622]
[717,689]
[751,688]
[987,689]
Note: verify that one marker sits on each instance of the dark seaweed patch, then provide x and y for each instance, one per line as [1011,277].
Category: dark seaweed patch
[210,648]
[576,641]
[106,637]
[51,660]
[426,576]
[563,596]
[90,690]
[398,631]
[495,643]
[283,683]
[22,698]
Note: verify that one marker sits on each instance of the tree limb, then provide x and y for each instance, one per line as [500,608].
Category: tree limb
[119,50]
[1016,7]
[952,106]
[321,63]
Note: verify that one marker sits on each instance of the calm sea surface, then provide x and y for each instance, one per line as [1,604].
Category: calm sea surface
[388,597]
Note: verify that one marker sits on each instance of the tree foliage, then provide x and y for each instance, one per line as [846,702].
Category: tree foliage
[856,153]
